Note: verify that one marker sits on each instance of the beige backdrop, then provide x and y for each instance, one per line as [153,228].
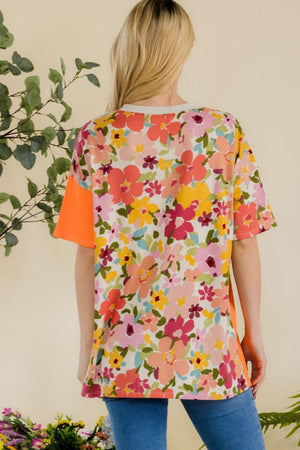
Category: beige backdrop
[245,61]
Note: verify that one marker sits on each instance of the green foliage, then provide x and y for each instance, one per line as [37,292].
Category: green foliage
[21,140]
[283,419]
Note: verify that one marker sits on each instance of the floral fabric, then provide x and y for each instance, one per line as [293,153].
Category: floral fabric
[168,193]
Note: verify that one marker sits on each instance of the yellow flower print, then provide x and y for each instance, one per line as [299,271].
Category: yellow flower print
[208,314]
[117,137]
[187,194]
[190,259]
[216,396]
[124,238]
[147,338]
[218,344]
[222,194]
[158,299]
[103,121]
[139,148]
[160,246]
[222,225]
[115,359]
[200,360]
[141,210]
[100,241]
[163,164]
[218,116]
[125,256]
[181,301]
[111,275]
[107,390]
[225,256]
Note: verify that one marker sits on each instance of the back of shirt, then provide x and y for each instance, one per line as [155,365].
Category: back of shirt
[160,193]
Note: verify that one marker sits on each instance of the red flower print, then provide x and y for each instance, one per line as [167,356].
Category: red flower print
[177,328]
[162,127]
[153,188]
[123,186]
[133,121]
[178,227]
[110,307]
[159,393]
[206,293]
[141,276]
[124,380]
[246,221]
[168,360]
[91,391]
[227,371]
[191,168]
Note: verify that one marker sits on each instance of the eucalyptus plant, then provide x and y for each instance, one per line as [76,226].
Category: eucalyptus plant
[23,141]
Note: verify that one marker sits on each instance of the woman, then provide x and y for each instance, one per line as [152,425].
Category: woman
[160,200]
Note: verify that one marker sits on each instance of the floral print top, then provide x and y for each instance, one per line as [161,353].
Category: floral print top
[160,193]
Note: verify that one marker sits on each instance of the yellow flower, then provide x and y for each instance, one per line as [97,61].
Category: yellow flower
[111,275]
[61,421]
[78,423]
[124,238]
[3,438]
[100,242]
[141,209]
[115,358]
[103,121]
[125,256]
[100,420]
[199,360]
[158,299]
[187,194]
[190,259]
[216,396]
[163,164]
[222,224]
[107,390]
[117,137]
[147,338]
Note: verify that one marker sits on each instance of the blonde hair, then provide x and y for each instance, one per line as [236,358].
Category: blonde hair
[149,51]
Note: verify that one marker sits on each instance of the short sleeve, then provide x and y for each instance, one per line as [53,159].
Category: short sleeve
[252,213]
[75,222]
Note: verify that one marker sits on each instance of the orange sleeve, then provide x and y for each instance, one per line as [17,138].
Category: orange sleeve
[75,222]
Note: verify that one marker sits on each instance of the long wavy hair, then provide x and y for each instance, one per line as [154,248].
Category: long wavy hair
[149,51]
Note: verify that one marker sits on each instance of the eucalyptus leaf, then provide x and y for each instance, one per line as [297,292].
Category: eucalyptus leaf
[62,164]
[4,197]
[32,188]
[23,154]
[49,133]
[55,76]
[93,79]
[5,151]
[6,38]
[62,65]
[15,202]
[11,239]
[44,207]
[68,112]
[16,224]
[14,69]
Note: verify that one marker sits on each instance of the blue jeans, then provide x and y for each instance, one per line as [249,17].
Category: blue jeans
[228,424]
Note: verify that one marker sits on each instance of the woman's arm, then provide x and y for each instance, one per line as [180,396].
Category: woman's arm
[247,273]
[85,293]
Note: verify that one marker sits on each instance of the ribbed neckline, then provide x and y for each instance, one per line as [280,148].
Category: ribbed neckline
[158,108]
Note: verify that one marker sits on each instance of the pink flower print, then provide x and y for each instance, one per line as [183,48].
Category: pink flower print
[123,380]
[150,321]
[179,224]
[206,293]
[153,188]
[177,328]
[131,332]
[215,343]
[168,360]
[266,219]
[171,255]
[209,259]
[227,371]
[140,277]
[97,179]
[228,121]
[191,275]
[97,147]
[198,121]
[112,337]
[137,147]
[162,126]
[133,121]
[259,195]
[171,185]
[81,138]
[102,206]
[98,291]
[195,310]
[191,168]
[245,220]
[172,281]
[162,218]
[180,298]
[181,143]
[107,373]
[139,385]
[114,232]
[197,340]
[207,381]
[221,299]
[223,160]
[220,208]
